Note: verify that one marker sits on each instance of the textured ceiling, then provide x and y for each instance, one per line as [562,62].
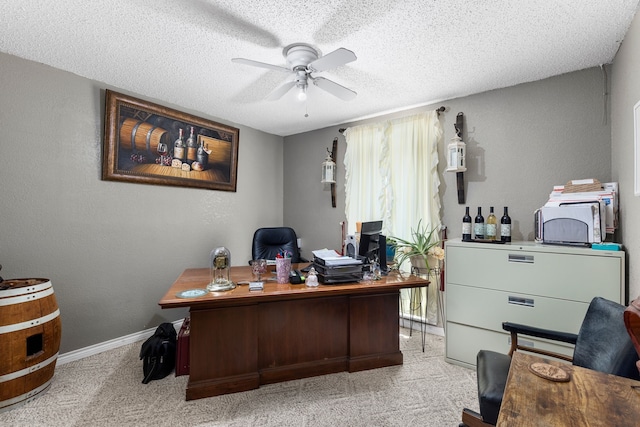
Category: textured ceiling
[410,52]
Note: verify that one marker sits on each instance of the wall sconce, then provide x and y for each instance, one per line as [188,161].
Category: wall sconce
[328,170]
[456,160]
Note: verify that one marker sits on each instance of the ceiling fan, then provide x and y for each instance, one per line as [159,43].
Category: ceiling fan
[302,60]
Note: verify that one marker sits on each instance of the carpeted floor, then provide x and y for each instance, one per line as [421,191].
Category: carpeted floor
[106,390]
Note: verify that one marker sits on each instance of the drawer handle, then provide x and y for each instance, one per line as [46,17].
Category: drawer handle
[528,259]
[527,302]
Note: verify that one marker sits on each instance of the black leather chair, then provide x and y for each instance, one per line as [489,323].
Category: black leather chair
[268,242]
[602,344]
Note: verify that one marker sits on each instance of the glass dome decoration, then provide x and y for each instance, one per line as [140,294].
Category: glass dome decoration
[220,265]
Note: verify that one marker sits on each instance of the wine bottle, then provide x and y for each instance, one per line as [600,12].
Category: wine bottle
[466,226]
[478,227]
[505,226]
[192,147]
[492,225]
[201,155]
[178,147]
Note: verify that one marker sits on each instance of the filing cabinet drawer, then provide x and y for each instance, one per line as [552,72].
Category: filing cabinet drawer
[464,342]
[554,274]
[544,286]
[487,309]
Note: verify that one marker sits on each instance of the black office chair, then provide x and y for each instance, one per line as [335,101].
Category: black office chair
[602,344]
[269,242]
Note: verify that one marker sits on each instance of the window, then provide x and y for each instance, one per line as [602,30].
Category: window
[392,174]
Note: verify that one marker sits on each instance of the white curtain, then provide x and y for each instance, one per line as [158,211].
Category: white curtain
[392,174]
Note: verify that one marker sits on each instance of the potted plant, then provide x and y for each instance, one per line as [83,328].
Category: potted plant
[421,250]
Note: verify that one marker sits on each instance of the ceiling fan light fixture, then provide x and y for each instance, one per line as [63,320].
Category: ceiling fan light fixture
[302,94]
[302,59]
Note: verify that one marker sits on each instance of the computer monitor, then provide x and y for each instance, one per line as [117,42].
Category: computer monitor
[369,248]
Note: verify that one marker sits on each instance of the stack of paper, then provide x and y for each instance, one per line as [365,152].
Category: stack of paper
[330,257]
[334,268]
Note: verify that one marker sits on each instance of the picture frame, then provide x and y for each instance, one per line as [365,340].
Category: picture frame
[636,149]
[140,146]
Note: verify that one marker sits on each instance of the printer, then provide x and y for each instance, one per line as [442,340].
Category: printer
[578,223]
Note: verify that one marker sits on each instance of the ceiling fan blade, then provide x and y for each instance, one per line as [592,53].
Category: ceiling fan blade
[331,60]
[225,22]
[334,88]
[278,92]
[260,64]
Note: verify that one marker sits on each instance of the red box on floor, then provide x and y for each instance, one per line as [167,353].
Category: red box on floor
[182,349]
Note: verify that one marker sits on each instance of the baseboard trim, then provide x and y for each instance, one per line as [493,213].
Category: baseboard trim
[81,353]
[91,350]
[415,325]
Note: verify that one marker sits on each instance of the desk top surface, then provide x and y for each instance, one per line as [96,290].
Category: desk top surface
[199,278]
[589,398]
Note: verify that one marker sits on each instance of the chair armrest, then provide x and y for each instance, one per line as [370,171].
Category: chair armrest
[540,333]
[515,329]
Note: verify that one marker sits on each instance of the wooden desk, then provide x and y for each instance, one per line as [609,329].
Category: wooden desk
[590,398]
[240,339]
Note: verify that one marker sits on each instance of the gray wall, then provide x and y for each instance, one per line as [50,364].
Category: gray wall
[521,141]
[625,92]
[111,249]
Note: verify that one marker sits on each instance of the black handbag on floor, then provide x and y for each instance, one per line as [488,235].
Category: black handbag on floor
[158,353]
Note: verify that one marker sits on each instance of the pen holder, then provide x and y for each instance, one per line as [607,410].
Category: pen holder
[283,268]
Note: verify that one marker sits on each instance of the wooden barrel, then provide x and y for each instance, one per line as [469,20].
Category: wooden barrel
[30,330]
[141,136]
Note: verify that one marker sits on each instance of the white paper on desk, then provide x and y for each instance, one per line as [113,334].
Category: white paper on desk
[331,257]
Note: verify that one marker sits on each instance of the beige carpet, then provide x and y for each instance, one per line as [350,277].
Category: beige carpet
[106,390]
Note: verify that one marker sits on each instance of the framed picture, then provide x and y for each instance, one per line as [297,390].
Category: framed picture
[149,144]
[636,149]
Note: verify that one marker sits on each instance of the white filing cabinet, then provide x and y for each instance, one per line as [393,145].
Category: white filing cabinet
[546,286]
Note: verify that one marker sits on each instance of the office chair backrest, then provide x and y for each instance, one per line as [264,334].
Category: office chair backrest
[603,342]
[268,242]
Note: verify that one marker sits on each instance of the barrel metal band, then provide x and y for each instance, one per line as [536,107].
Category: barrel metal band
[30,323]
[26,298]
[24,398]
[20,291]
[28,370]
[149,135]
[134,130]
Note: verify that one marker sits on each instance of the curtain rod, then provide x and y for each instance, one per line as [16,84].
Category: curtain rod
[438,110]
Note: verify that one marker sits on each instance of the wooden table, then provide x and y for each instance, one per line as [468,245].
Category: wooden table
[590,398]
[241,339]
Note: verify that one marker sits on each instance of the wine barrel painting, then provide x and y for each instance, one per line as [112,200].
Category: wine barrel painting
[141,136]
[30,331]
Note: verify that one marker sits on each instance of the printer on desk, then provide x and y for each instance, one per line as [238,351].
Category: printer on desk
[572,224]
[578,213]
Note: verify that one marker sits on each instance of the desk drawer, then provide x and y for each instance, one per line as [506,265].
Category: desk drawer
[487,309]
[464,343]
[553,274]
